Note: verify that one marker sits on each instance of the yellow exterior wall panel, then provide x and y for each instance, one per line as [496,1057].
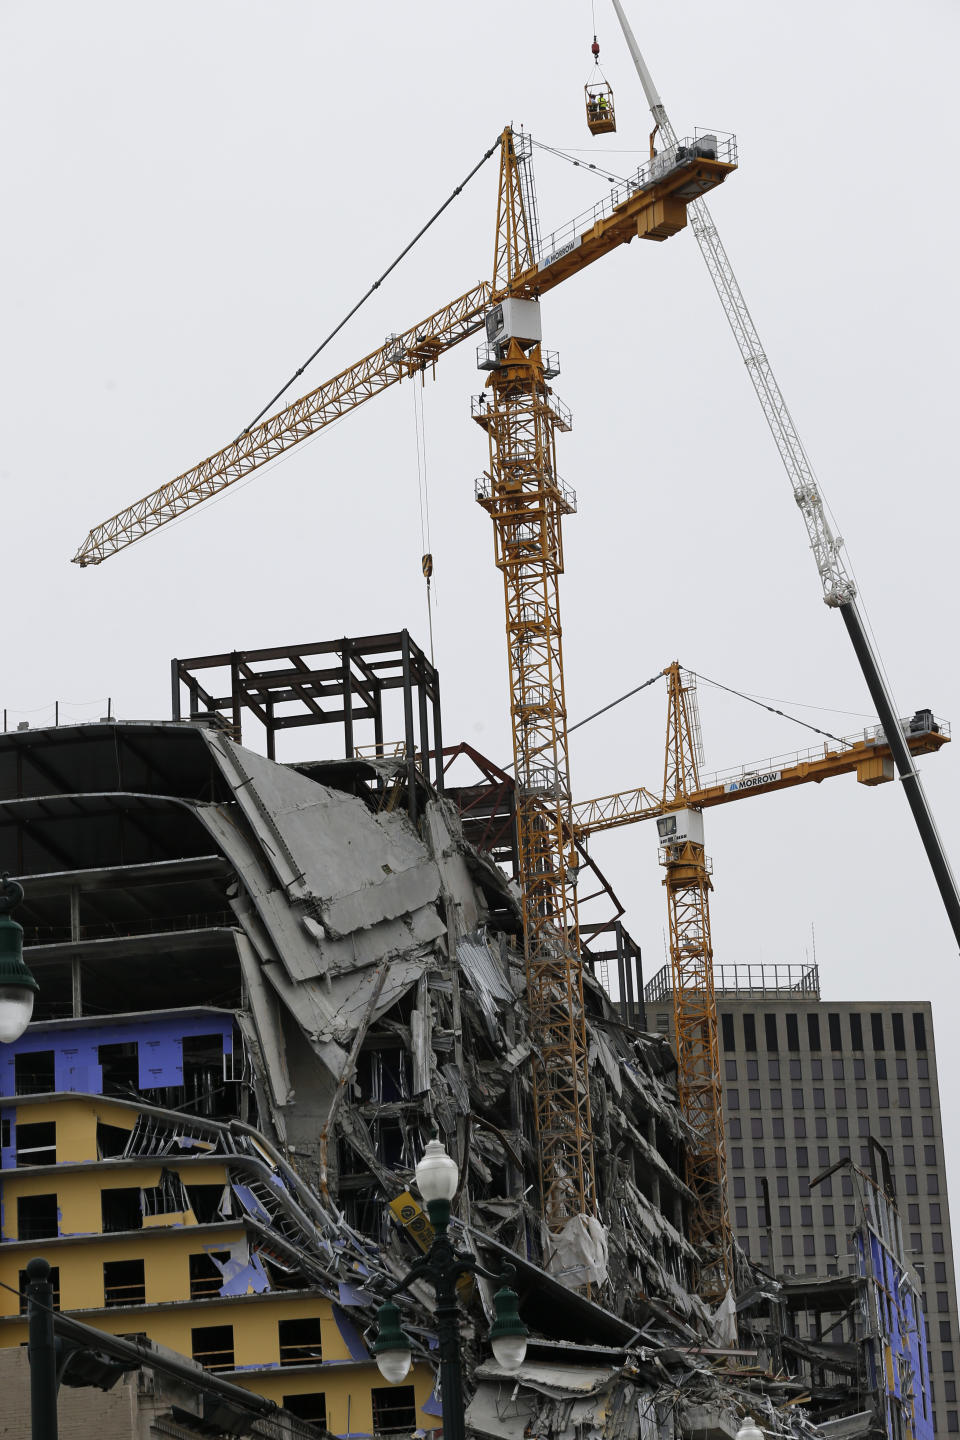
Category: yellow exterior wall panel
[347,1386]
[78,1191]
[347,1391]
[76,1121]
[166,1257]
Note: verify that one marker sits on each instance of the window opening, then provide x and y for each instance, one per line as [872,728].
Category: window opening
[394,1409]
[124,1282]
[212,1345]
[121,1209]
[112,1140]
[300,1341]
[37,1144]
[120,1065]
[206,1092]
[34,1072]
[311,1407]
[37,1217]
[205,1202]
[206,1277]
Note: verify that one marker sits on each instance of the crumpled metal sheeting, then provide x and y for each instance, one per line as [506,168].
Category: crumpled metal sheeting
[651,1155]
[654,1223]
[485,976]
[650,1397]
[657,1097]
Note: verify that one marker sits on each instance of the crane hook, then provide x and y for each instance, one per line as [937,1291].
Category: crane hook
[595,49]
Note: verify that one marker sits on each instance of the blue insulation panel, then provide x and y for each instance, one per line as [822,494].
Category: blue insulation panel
[902,1369]
[76,1064]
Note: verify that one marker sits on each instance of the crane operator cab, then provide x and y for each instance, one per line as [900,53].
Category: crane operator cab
[601,119]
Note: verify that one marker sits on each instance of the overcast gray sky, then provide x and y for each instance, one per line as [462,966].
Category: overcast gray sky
[196,191]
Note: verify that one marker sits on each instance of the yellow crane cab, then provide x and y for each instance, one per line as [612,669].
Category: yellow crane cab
[601,118]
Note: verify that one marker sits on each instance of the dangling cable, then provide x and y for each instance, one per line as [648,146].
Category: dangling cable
[600,118]
[423,495]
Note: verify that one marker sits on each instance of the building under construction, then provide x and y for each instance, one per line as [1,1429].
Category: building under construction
[261,984]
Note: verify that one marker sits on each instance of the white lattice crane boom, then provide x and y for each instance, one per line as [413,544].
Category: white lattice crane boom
[839,590]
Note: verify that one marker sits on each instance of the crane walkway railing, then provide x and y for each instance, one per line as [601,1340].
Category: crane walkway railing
[870,735]
[712,146]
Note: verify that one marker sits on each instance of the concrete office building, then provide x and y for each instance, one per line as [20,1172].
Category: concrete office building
[807,1083]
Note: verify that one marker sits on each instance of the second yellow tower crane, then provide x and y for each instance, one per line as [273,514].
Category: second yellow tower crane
[678,809]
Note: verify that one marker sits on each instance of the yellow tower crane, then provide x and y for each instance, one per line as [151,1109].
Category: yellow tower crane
[527,500]
[678,809]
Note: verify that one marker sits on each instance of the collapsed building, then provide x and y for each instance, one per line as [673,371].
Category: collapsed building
[261,986]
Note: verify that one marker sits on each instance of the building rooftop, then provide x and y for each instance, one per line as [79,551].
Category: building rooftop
[754,980]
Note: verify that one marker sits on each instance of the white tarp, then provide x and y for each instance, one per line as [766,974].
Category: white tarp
[578,1255]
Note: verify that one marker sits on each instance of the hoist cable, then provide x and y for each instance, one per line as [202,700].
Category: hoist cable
[636,691]
[583,164]
[707,681]
[416,429]
[426,474]
[375,286]
[423,496]
[602,711]
[772,709]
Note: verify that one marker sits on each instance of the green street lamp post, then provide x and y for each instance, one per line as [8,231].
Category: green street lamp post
[42,1351]
[442,1266]
[18,989]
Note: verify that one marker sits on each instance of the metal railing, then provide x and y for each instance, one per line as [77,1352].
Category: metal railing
[308,1353]
[567,496]
[701,146]
[489,358]
[202,1287]
[219,1359]
[132,1294]
[869,735]
[754,980]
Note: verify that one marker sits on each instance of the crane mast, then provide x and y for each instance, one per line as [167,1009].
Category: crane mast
[688,885]
[526,499]
[839,590]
